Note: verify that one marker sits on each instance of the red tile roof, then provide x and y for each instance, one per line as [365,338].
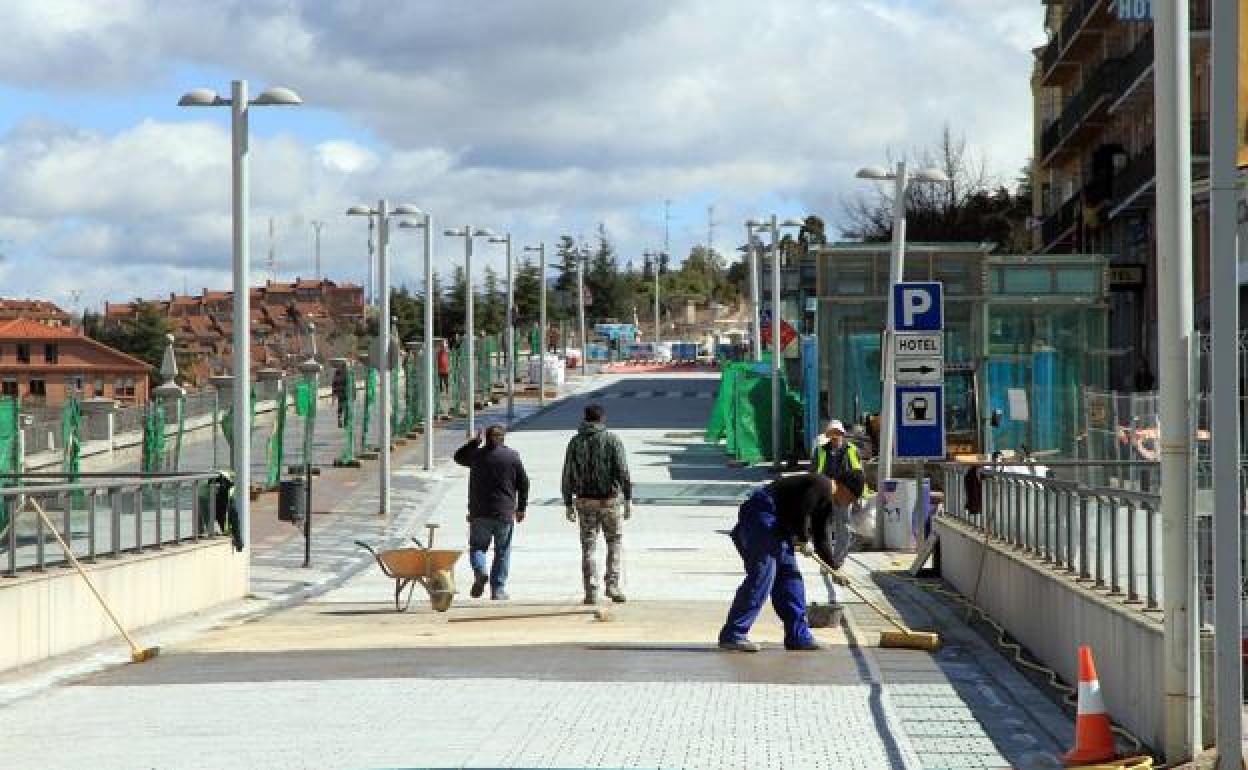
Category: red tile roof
[26,329]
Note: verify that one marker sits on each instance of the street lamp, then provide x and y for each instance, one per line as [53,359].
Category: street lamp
[468,232]
[509,340]
[426,224]
[240,201]
[896,261]
[756,331]
[382,215]
[541,321]
[774,225]
[582,257]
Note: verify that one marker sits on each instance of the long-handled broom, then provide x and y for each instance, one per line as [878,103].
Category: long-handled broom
[904,637]
[137,654]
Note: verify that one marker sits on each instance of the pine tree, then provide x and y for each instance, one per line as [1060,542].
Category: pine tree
[527,292]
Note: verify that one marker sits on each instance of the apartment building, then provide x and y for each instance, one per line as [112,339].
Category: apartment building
[1094,160]
[39,310]
[43,364]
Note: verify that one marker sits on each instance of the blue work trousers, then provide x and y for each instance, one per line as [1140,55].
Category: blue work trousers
[481,531]
[770,569]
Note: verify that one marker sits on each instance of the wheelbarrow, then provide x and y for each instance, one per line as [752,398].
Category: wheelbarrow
[433,569]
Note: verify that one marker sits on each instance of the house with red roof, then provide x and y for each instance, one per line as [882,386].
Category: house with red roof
[44,364]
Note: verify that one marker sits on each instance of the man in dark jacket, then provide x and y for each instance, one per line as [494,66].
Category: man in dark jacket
[595,486]
[498,493]
[790,509]
[339,389]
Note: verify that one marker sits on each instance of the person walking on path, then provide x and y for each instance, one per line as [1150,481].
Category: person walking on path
[339,388]
[498,493]
[789,509]
[597,490]
[444,367]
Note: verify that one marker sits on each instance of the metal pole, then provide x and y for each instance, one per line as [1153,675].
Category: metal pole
[756,331]
[580,311]
[472,361]
[242,309]
[216,423]
[775,342]
[383,351]
[658,318]
[1174,313]
[896,264]
[317,225]
[429,380]
[511,337]
[1224,296]
[541,315]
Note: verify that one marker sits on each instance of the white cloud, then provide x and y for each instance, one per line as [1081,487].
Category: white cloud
[540,116]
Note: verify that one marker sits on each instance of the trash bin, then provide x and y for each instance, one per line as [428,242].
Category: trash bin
[897,505]
[290,501]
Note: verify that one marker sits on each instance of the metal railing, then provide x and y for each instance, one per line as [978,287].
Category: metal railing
[1059,221]
[102,515]
[1139,171]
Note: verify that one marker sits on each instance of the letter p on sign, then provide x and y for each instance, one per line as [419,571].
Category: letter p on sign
[918,306]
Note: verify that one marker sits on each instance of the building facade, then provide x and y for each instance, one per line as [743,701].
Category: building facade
[34,310]
[43,365]
[1094,161]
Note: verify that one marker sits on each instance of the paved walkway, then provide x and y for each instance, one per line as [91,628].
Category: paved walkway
[341,680]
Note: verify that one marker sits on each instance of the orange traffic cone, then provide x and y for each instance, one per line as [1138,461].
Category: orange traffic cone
[1094,741]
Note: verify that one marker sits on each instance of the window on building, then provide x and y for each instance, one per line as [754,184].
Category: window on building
[23,353]
[78,382]
[8,388]
[50,353]
[127,388]
[38,388]
[99,388]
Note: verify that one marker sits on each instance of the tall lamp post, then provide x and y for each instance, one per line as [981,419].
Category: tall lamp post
[509,337]
[468,232]
[383,214]
[896,262]
[773,225]
[756,330]
[425,224]
[240,106]
[541,321]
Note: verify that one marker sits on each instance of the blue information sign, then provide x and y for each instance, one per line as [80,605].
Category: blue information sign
[918,306]
[921,422]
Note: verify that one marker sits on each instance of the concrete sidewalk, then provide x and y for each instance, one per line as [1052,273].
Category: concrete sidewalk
[341,680]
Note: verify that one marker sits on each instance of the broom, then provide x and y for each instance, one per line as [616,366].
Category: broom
[137,654]
[904,637]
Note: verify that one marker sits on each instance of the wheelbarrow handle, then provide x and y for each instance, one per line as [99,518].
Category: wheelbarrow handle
[366,546]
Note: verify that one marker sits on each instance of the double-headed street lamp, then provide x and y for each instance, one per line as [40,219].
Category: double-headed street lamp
[383,214]
[756,332]
[901,184]
[468,232]
[773,224]
[425,224]
[541,321]
[240,106]
[510,335]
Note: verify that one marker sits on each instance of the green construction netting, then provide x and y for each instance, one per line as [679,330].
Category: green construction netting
[154,438]
[177,442]
[370,397]
[348,420]
[307,392]
[741,417]
[396,415]
[277,440]
[459,381]
[535,340]
[9,461]
[227,423]
[71,438]
[412,394]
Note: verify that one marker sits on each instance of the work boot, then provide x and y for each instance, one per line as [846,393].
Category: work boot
[499,596]
[740,645]
[616,595]
[591,597]
[478,586]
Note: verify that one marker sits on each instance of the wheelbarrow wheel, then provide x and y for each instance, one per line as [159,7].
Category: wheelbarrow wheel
[442,590]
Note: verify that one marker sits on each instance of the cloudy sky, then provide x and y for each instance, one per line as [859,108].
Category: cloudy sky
[537,117]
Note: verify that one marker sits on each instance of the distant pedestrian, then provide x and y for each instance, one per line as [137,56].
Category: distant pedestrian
[498,493]
[788,510]
[837,458]
[597,490]
[444,367]
[339,390]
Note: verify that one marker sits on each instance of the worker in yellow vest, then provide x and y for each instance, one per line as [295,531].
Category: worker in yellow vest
[837,458]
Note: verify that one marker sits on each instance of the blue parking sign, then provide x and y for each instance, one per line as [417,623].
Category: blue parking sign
[918,306]
[920,422]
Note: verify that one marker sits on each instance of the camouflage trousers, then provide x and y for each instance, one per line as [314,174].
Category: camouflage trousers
[596,515]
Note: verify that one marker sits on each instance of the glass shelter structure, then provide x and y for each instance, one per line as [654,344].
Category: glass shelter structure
[1023,334]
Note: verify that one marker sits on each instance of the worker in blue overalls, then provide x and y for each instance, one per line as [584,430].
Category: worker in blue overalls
[790,509]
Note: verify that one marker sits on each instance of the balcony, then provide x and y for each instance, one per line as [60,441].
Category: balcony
[1134,71]
[1071,41]
[1081,111]
[1059,224]
[1135,178]
[1200,137]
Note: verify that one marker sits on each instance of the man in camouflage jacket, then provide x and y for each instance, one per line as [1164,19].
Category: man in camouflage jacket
[597,491]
